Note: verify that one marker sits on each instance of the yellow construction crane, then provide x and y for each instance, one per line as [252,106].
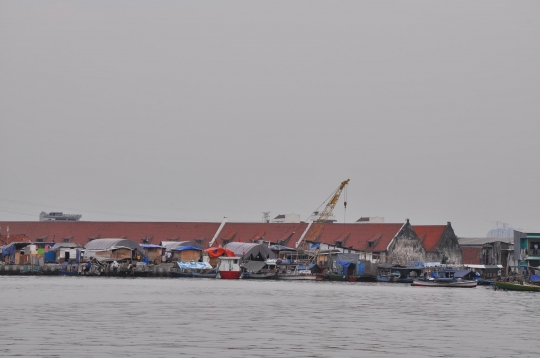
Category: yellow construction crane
[318,225]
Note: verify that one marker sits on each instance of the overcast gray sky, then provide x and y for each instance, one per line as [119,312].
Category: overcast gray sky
[192,110]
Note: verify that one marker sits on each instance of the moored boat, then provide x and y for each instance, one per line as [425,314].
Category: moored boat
[296,277]
[510,286]
[229,268]
[457,282]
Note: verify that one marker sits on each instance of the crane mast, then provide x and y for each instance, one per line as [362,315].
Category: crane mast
[323,217]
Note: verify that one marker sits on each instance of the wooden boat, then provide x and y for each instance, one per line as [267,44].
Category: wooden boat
[296,276]
[516,286]
[444,282]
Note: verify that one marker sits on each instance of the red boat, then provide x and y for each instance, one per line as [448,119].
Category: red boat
[229,268]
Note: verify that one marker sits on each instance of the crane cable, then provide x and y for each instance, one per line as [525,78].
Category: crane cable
[345,206]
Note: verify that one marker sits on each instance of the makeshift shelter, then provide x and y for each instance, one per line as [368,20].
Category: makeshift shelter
[113,249]
[66,251]
[186,253]
[250,251]
[343,263]
[15,253]
[154,253]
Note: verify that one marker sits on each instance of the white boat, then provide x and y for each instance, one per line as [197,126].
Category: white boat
[301,275]
[444,282]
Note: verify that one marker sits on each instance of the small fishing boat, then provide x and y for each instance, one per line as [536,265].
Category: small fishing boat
[513,286]
[296,277]
[444,282]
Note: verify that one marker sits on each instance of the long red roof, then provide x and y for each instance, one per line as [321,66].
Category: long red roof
[356,236]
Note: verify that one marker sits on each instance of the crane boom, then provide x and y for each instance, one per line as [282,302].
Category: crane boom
[323,217]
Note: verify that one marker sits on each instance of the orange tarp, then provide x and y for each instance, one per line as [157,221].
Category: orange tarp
[217,252]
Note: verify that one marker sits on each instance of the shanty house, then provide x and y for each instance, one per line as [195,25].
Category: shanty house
[183,251]
[113,249]
[154,253]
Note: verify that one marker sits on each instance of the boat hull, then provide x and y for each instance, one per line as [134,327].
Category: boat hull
[516,287]
[230,275]
[463,284]
[296,277]
[181,274]
[204,275]
[259,276]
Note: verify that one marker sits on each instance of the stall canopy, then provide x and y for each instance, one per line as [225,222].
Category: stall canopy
[218,252]
[113,244]
[194,265]
[250,251]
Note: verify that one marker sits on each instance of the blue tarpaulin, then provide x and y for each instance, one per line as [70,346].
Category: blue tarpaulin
[50,256]
[315,245]
[535,278]
[345,264]
[194,265]
[9,251]
[183,248]
[361,268]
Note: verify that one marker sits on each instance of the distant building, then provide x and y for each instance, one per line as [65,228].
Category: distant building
[58,216]
[527,249]
[315,216]
[371,219]
[502,232]
[287,218]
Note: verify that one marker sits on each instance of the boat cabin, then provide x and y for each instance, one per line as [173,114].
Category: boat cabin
[229,267]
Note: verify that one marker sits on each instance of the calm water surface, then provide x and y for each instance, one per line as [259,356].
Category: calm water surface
[113,317]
